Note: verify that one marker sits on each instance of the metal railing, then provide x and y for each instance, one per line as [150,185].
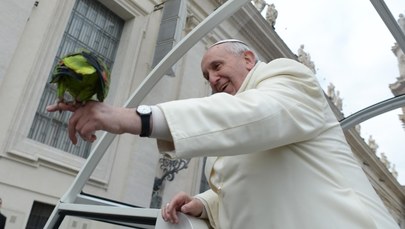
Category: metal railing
[185,222]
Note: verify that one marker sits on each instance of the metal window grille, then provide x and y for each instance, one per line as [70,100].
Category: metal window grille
[91,27]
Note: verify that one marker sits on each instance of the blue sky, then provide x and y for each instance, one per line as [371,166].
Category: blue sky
[351,48]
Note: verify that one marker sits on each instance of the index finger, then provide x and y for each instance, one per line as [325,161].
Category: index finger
[60,106]
[171,212]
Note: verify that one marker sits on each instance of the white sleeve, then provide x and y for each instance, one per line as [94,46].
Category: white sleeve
[160,129]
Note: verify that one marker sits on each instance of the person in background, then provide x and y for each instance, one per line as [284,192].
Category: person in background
[3,218]
[277,156]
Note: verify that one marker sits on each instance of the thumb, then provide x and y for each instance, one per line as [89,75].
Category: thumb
[193,208]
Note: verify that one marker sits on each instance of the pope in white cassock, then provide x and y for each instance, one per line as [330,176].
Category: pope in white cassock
[277,154]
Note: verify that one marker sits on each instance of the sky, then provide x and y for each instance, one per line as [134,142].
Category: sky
[351,48]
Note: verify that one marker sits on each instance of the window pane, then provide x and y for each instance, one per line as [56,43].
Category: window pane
[92,27]
[40,213]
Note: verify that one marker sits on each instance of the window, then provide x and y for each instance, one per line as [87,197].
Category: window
[92,27]
[40,213]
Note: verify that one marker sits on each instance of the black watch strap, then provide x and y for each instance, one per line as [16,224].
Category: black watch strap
[145,126]
[144,113]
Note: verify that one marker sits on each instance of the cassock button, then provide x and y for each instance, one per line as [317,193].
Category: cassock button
[220,192]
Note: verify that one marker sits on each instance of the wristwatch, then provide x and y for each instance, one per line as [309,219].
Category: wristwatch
[144,112]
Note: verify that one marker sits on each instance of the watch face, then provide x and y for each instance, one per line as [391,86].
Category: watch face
[143,109]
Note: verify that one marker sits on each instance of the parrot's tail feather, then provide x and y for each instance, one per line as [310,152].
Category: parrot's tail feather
[64,71]
[102,72]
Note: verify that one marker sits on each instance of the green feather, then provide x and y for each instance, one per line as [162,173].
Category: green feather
[82,75]
[79,64]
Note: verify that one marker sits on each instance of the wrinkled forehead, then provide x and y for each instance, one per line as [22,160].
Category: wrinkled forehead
[213,54]
[218,51]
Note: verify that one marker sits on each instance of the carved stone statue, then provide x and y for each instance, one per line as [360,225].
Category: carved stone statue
[401,60]
[358,128]
[385,161]
[305,58]
[335,97]
[383,158]
[373,145]
[271,14]
[259,4]
[394,171]
[331,91]
[397,50]
[338,101]
[401,64]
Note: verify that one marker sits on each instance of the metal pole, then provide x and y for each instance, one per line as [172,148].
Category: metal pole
[372,111]
[390,22]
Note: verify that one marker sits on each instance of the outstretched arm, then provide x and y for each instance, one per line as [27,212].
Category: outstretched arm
[93,116]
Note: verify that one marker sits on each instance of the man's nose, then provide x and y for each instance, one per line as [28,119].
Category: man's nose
[213,78]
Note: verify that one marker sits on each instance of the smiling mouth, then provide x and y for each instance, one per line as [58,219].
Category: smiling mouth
[222,88]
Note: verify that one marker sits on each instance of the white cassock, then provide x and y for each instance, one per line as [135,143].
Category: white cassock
[277,155]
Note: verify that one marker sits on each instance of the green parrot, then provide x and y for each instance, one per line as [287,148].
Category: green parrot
[82,75]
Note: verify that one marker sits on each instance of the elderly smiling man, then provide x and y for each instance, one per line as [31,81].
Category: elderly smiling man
[277,155]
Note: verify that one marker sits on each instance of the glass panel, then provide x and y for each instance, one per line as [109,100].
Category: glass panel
[345,42]
[387,133]
[351,49]
[86,29]
[349,46]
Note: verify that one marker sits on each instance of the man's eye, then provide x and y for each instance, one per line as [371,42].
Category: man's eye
[217,67]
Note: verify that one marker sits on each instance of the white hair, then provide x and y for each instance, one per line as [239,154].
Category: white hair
[234,46]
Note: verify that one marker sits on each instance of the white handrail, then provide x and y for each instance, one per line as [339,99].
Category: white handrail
[185,222]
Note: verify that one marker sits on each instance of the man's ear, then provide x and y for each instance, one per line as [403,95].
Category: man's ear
[250,59]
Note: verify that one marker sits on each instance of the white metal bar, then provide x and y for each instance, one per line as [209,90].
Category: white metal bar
[209,23]
[390,22]
[120,215]
[372,111]
[185,222]
[123,211]
[94,200]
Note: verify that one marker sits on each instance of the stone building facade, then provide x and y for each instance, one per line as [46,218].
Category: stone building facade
[38,164]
